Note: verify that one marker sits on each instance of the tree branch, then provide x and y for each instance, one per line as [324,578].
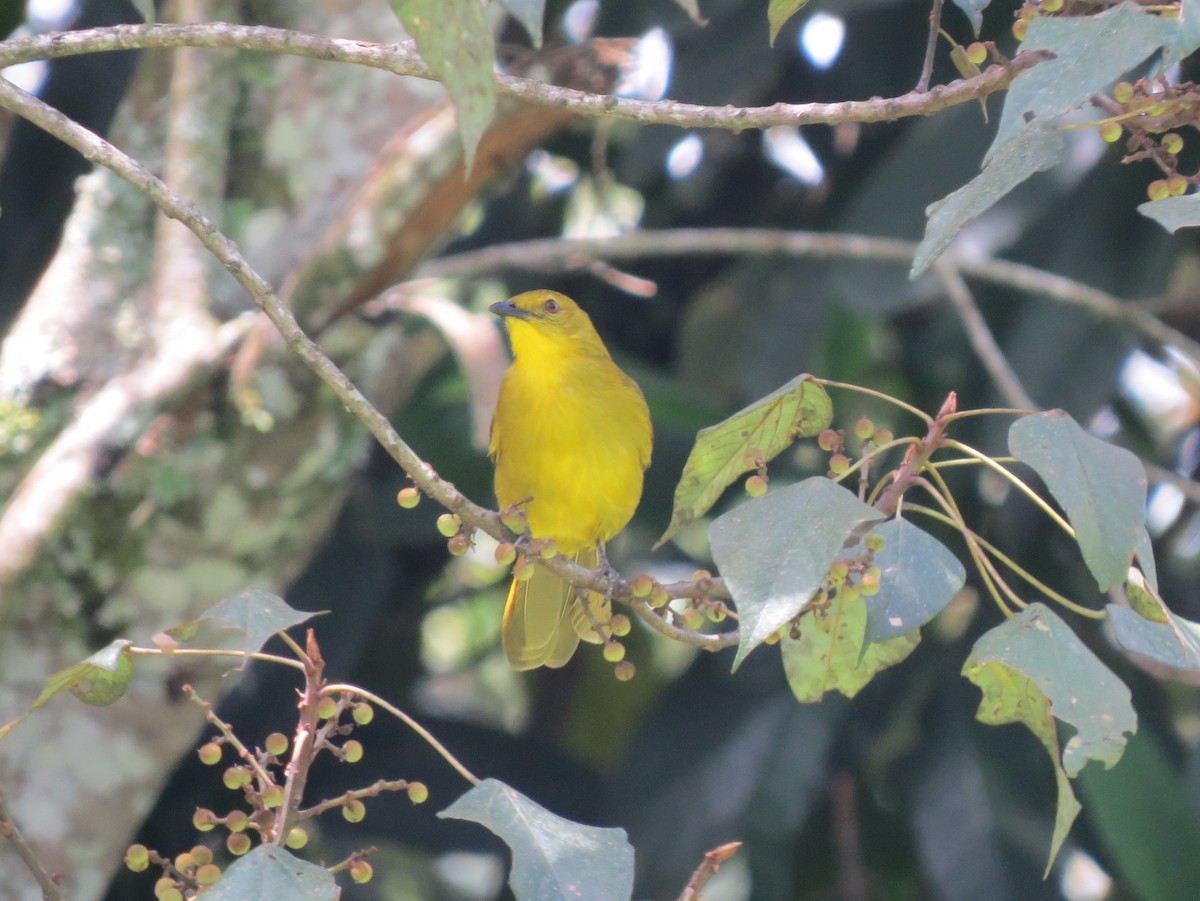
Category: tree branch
[402,59]
[9,831]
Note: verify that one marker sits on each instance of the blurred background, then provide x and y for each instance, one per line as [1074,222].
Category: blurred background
[161,451]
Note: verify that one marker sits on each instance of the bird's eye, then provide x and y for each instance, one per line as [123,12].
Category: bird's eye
[551,306]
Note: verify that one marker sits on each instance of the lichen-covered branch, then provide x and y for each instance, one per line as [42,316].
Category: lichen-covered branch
[403,59]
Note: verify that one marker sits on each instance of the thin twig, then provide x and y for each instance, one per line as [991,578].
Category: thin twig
[707,869]
[983,342]
[561,254]
[935,25]
[10,831]
[402,59]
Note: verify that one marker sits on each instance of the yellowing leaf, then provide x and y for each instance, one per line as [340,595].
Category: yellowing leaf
[799,409]
[100,680]
[830,654]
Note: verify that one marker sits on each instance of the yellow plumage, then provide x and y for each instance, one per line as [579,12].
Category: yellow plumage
[572,432]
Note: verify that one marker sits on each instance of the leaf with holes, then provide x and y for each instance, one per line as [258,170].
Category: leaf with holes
[553,858]
[1102,488]
[799,409]
[1033,669]
[774,552]
[831,653]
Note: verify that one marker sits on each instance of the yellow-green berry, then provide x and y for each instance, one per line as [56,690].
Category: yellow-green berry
[353,751]
[1111,132]
[235,777]
[1172,142]
[408,497]
[449,525]
[202,854]
[276,744]
[1158,189]
[829,440]
[548,549]
[297,838]
[1052,6]
[209,874]
[237,821]
[327,708]
[614,652]
[624,671]
[137,857]
[756,486]
[272,797]
[641,586]
[693,619]
[163,886]
[515,520]
[459,545]
[659,597]
[184,862]
[620,625]
[875,542]
[506,553]
[1177,185]
[354,810]
[204,820]
[361,871]
[1020,29]
[238,843]
[363,713]
[523,570]
[417,792]
[882,436]
[864,429]
[1122,92]
[169,893]
[209,753]
[977,53]
[838,464]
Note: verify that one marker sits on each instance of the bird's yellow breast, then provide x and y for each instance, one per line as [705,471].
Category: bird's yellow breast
[574,435]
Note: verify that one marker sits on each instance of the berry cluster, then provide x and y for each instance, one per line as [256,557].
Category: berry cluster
[870,438]
[1031,10]
[261,776]
[1146,113]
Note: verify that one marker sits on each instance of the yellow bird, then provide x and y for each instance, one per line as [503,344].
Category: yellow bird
[571,437]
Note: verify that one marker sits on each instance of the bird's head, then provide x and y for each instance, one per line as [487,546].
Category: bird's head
[542,321]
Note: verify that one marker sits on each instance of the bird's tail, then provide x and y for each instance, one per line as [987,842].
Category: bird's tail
[543,622]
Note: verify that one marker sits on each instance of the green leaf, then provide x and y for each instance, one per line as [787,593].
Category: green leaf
[1144,553]
[832,654]
[1036,148]
[99,681]
[799,409]
[455,39]
[530,13]
[1101,487]
[271,873]
[775,551]
[1144,821]
[974,10]
[1090,53]
[553,858]
[145,9]
[1033,668]
[919,576]
[1175,642]
[258,613]
[1187,34]
[779,11]
[1173,213]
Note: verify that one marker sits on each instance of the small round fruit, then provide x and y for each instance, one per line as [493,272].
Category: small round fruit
[1122,92]
[272,797]
[237,821]
[869,585]
[829,440]
[235,777]
[514,520]
[238,844]
[977,53]
[715,614]
[1157,109]
[641,586]
[864,429]
[659,597]
[693,619]
[838,570]
[523,570]
[209,874]
[417,792]
[327,708]
[875,542]
[549,549]
[838,464]
[353,751]
[171,893]
[448,524]
[361,871]
[1052,6]
[756,486]
[506,553]
[209,754]
[1111,132]
[458,545]
[164,885]
[204,820]
[408,497]
[882,436]
[1020,29]
[1177,185]
[276,744]
[614,652]
[1172,142]
[620,625]
[363,713]
[137,858]
[297,838]
[184,862]
[624,671]
[1158,189]
[849,593]
[203,854]
[354,810]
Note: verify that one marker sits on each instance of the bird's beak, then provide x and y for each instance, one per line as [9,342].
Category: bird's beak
[508,308]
